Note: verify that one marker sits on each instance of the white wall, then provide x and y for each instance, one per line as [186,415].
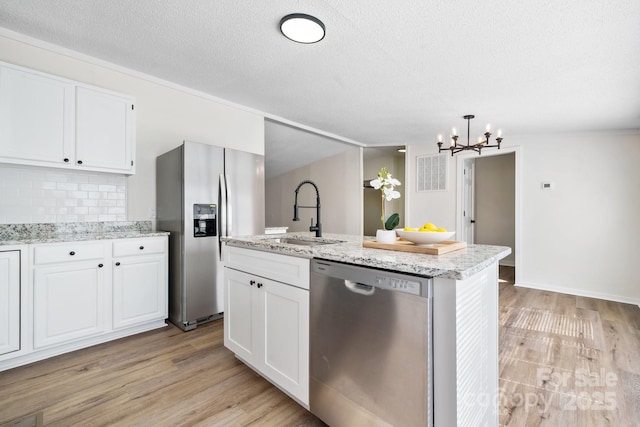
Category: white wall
[437,207]
[495,204]
[165,113]
[581,238]
[339,181]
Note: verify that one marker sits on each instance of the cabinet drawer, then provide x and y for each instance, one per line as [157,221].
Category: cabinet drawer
[141,246]
[283,268]
[68,252]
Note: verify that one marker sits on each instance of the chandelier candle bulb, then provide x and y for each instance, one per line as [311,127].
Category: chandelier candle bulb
[488,127]
[439,137]
[499,133]
[454,132]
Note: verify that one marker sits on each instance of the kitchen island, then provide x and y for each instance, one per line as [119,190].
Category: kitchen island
[464,316]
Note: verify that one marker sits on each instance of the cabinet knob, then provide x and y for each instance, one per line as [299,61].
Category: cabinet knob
[100,265]
[117,263]
[141,247]
[72,253]
[79,162]
[259,285]
[252,282]
[66,160]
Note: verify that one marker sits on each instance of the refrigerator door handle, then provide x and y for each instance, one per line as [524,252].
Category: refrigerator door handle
[222,212]
[228,205]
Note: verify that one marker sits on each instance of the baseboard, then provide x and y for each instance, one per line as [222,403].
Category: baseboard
[580,293]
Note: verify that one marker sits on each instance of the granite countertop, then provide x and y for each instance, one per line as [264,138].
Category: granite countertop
[457,265]
[26,234]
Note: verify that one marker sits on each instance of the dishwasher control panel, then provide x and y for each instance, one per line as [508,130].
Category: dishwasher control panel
[362,278]
[398,284]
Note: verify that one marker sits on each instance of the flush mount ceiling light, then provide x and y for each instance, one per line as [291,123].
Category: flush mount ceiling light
[483,141]
[302,28]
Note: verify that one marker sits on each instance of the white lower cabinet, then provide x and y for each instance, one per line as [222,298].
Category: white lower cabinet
[267,325]
[283,336]
[241,306]
[68,302]
[9,301]
[80,294]
[139,290]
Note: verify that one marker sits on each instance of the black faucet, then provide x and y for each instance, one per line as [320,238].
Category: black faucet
[318,227]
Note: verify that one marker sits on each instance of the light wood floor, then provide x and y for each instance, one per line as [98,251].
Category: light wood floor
[164,377]
[564,361]
[567,360]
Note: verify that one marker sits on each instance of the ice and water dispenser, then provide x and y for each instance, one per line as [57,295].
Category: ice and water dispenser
[204,220]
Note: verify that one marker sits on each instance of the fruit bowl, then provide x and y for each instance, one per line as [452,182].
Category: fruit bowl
[425,237]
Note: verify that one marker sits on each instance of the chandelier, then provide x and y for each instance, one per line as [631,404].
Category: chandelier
[478,146]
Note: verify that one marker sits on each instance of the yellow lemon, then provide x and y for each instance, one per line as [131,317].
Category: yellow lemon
[429,226]
[441,229]
[410,229]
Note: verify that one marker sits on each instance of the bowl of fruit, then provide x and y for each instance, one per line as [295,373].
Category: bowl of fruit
[428,234]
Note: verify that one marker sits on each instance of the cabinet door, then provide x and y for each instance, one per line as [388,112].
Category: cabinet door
[104,130]
[139,290]
[284,327]
[9,301]
[36,117]
[68,302]
[240,314]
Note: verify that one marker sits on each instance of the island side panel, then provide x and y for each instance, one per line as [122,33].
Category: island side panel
[465,349]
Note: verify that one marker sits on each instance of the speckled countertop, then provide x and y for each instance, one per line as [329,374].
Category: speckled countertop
[456,265]
[26,234]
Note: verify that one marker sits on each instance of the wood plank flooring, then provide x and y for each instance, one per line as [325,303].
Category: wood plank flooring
[567,360]
[164,377]
[564,361]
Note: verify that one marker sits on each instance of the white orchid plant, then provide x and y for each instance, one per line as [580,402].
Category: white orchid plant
[386,183]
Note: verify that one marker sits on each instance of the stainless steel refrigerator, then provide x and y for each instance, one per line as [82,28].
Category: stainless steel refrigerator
[204,192]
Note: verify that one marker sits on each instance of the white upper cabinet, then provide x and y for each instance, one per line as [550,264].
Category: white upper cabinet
[36,117]
[51,121]
[104,127]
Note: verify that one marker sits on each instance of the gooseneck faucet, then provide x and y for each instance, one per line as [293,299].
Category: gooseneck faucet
[318,227]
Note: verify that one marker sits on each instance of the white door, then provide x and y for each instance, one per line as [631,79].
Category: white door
[104,130]
[68,302]
[285,331]
[468,187]
[9,301]
[36,117]
[240,314]
[139,290]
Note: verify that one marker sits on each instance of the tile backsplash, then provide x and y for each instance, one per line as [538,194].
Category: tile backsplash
[30,194]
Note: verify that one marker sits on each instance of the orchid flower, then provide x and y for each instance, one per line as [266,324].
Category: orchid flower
[386,183]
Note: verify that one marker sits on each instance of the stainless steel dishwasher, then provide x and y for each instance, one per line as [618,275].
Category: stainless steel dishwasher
[370,346]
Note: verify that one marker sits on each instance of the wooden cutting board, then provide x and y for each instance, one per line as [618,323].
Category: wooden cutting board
[407,246]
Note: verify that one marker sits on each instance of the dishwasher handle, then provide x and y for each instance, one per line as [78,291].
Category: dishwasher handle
[359,288]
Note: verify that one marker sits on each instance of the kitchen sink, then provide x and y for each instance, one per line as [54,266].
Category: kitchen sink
[302,242]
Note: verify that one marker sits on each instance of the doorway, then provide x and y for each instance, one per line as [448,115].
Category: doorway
[489,200]
[374,158]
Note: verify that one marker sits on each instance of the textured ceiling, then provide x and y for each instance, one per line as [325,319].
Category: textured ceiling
[387,73]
